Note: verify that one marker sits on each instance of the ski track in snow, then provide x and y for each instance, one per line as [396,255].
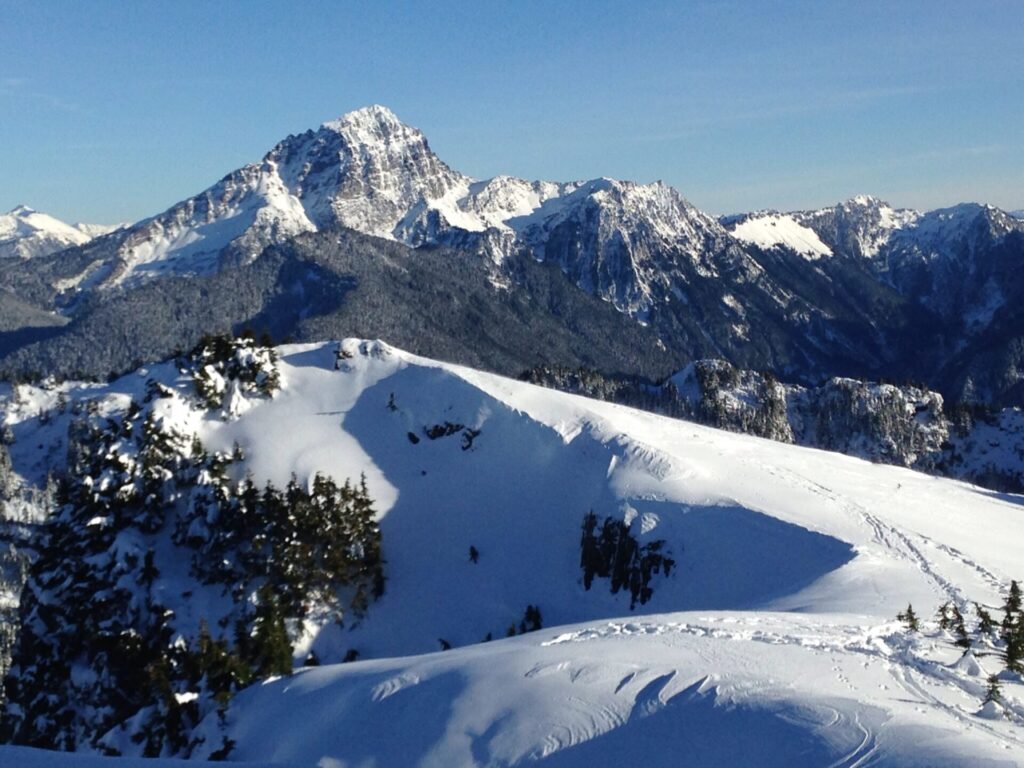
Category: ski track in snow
[900,542]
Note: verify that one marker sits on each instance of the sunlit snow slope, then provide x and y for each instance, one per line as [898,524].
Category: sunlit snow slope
[771,643]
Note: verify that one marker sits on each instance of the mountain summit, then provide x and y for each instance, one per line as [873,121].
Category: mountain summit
[26,233]
[370,172]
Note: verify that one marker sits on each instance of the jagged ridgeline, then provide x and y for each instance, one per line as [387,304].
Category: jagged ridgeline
[167,579]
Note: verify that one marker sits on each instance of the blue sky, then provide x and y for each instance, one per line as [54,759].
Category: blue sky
[114,111]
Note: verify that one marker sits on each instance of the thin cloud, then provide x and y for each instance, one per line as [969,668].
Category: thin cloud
[803,104]
[20,88]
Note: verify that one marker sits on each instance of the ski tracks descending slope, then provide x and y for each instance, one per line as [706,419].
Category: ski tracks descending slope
[905,545]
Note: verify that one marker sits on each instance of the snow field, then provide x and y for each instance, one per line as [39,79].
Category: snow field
[772,640]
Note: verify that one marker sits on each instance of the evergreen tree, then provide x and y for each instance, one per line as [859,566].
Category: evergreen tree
[532,619]
[945,616]
[90,603]
[1013,648]
[615,554]
[1013,599]
[910,619]
[994,691]
[959,629]
[1011,612]
[986,624]
[1012,630]
[591,556]
[270,650]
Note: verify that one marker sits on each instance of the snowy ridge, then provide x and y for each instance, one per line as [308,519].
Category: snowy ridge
[641,247]
[932,234]
[869,228]
[773,635]
[861,226]
[25,233]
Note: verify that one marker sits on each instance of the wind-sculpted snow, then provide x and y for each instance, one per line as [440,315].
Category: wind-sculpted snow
[662,690]
[770,642]
[518,494]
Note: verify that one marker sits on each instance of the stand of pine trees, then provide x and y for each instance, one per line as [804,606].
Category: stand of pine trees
[613,553]
[1005,640]
[218,359]
[101,660]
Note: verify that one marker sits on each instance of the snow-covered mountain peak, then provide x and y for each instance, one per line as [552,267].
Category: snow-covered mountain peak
[25,233]
[955,231]
[25,221]
[367,170]
[369,121]
[373,173]
[865,201]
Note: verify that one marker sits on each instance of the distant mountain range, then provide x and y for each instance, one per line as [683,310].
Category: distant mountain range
[26,233]
[358,228]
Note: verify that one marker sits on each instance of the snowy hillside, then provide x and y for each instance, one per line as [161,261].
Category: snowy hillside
[772,637]
[25,233]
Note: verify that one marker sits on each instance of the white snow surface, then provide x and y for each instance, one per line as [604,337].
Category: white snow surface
[25,233]
[772,642]
[772,230]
